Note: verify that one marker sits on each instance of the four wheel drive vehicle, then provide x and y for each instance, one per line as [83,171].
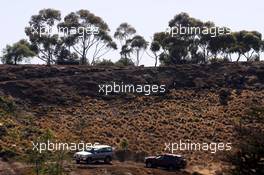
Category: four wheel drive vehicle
[170,161]
[95,153]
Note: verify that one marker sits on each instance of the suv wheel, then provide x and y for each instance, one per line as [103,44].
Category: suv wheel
[89,160]
[183,164]
[107,160]
[149,165]
[171,167]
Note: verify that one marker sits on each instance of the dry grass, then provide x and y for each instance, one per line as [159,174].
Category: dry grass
[148,122]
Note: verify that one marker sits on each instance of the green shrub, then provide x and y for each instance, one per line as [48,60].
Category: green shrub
[124,144]
[7,104]
[104,62]
[6,153]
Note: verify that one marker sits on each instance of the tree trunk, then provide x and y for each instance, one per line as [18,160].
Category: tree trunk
[204,56]
[15,60]
[156,60]
[83,59]
[239,55]
[137,64]
[49,58]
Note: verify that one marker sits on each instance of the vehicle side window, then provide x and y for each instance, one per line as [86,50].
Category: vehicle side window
[105,150]
[97,150]
[109,149]
[102,150]
[168,158]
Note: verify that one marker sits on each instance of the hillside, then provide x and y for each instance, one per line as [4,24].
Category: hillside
[202,103]
[66,84]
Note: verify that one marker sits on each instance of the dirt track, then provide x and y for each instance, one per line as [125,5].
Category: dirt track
[116,168]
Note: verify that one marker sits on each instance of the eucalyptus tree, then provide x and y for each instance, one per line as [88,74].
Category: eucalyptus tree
[222,45]
[88,35]
[177,46]
[138,45]
[161,39]
[155,48]
[183,43]
[124,34]
[41,34]
[204,41]
[17,52]
[247,43]
[252,42]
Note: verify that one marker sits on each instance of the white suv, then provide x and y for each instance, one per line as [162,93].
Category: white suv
[95,153]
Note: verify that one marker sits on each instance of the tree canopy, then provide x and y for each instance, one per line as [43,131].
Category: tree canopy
[40,35]
[81,37]
[86,32]
[17,52]
[188,39]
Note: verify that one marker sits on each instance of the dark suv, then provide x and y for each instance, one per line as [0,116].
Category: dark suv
[169,161]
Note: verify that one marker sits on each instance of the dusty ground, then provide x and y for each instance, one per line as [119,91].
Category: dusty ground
[116,168]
